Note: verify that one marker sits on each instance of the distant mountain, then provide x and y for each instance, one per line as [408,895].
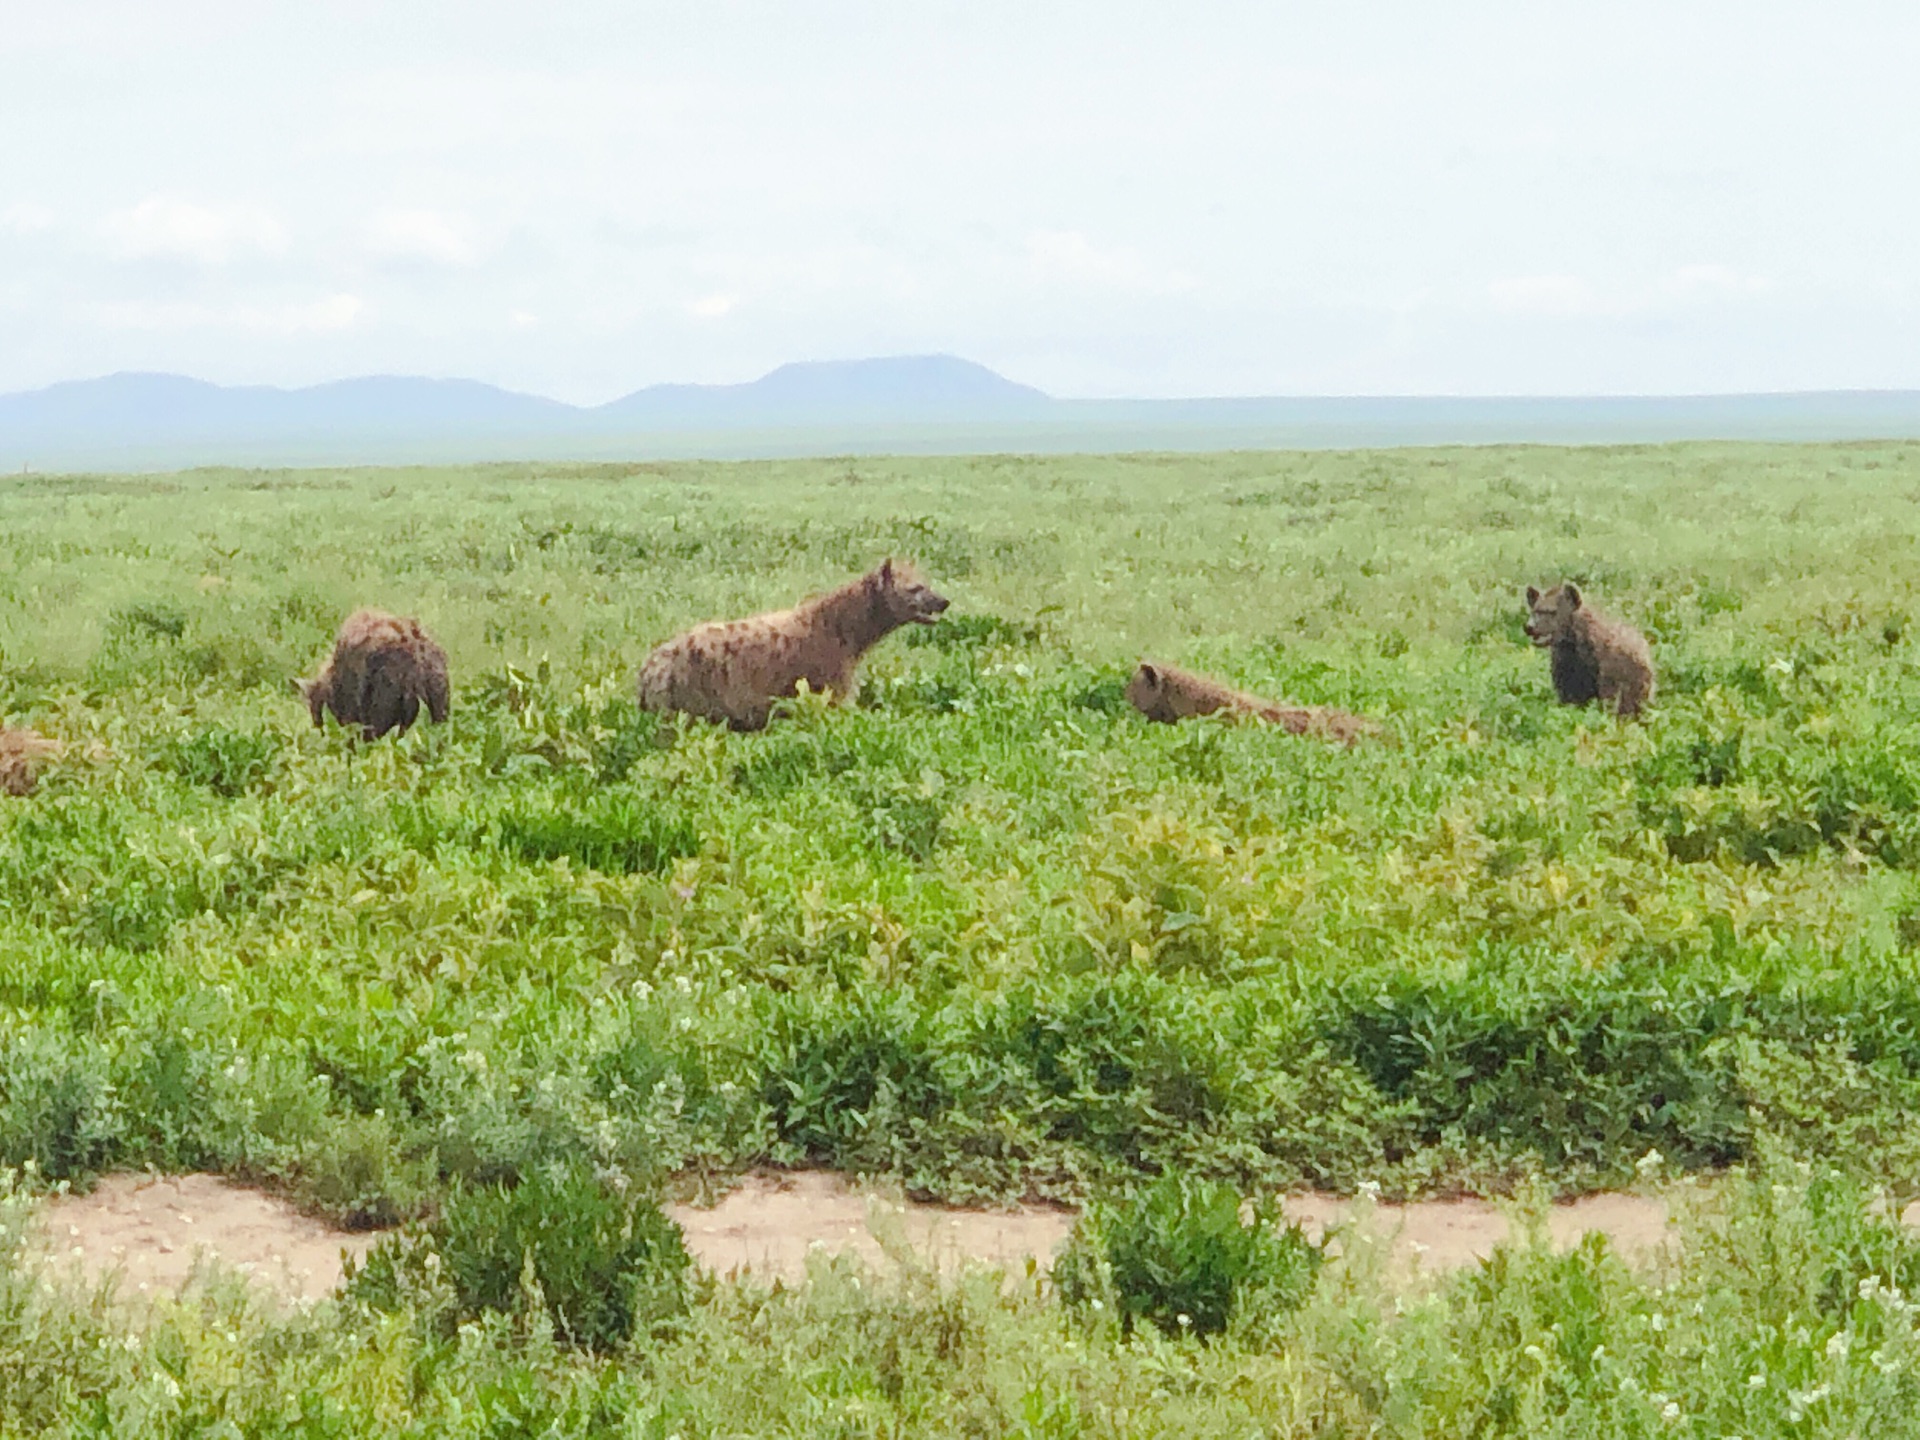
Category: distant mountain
[925,404]
[136,406]
[903,389]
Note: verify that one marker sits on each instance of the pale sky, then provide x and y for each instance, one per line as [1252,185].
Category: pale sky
[580,197]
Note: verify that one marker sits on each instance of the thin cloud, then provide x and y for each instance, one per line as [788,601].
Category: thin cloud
[421,235]
[1068,256]
[167,227]
[1703,280]
[332,313]
[26,218]
[1547,295]
[712,307]
[1564,296]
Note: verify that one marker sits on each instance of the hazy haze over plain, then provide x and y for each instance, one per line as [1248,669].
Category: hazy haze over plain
[1100,199]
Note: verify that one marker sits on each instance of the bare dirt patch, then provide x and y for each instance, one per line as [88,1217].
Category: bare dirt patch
[153,1230]
[771,1223]
[1436,1235]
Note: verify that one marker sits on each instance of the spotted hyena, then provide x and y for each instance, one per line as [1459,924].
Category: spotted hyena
[734,670]
[22,753]
[1595,657]
[382,670]
[1167,694]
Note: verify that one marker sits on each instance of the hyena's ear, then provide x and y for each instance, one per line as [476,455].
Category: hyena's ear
[1533,594]
[1573,594]
[301,687]
[1149,674]
[886,571]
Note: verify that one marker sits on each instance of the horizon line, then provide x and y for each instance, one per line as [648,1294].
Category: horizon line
[1049,396]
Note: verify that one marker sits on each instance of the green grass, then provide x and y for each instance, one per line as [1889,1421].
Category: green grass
[986,932]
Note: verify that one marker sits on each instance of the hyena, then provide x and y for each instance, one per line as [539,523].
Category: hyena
[382,670]
[734,670]
[22,752]
[1595,657]
[1168,694]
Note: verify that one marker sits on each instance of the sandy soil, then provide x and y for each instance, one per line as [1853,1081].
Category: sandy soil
[152,1229]
[771,1223]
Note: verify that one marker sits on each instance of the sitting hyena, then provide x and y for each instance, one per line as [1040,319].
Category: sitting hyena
[21,754]
[382,670]
[1167,694]
[1595,657]
[734,670]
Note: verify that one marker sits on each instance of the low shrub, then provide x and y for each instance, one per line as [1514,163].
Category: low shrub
[230,763]
[1187,1255]
[604,1264]
[616,834]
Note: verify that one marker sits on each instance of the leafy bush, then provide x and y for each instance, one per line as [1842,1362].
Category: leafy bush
[1187,1255]
[615,833]
[1575,1079]
[57,1105]
[1105,694]
[228,762]
[148,619]
[973,632]
[606,1264]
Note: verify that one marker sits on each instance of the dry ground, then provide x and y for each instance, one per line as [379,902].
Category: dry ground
[154,1229]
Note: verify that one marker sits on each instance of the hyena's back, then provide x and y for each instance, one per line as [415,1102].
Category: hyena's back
[382,670]
[732,671]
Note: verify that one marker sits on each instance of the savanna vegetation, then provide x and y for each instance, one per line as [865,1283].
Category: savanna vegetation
[986,933]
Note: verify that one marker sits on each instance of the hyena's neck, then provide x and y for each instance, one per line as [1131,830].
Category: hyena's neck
[852,615]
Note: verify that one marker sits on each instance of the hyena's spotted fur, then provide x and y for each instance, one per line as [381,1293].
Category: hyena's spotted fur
[382,670]
[1167,694]
[733,671]
[1595,657]
[22,752]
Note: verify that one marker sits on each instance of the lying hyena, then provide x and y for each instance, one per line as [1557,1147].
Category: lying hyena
[22,753]
[1595,657]
[1167,694]
[734,670]
[382,670]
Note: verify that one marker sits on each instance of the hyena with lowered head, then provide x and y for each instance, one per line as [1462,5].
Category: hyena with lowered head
[382,670]
[1167,694]
[1595,657]
[734,670]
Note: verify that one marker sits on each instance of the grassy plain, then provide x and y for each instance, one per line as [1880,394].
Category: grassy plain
[987,932]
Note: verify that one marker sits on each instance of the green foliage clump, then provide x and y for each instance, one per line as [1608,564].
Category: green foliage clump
[604,1264]
[616,833]
[230,763]
[1187,1255]
[974,632]
[58,1110]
